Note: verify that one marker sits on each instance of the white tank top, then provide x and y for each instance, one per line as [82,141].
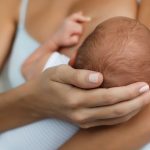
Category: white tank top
[48,134]
[23,46]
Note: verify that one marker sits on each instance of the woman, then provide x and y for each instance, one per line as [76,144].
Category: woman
[35,100]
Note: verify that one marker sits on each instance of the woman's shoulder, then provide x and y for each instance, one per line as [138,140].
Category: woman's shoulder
[9,10]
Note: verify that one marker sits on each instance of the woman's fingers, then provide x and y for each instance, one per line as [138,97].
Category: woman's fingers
[79,78]
[102,97]
[120,109]
[92,106]
[107,122]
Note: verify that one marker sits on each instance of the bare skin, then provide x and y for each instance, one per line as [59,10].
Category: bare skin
[98,14]
[144,13]
[131,135]
[67,35]
[37,98]
[8,24]
[25,116]
[127,135]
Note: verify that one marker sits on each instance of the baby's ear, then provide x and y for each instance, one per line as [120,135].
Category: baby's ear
[73,59]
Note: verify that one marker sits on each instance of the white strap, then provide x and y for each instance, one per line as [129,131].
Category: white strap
[23,11]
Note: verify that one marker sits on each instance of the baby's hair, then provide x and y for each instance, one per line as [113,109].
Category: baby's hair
[119,48]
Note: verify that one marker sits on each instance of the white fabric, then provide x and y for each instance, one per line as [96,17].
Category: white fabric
[146,147]
[56,59]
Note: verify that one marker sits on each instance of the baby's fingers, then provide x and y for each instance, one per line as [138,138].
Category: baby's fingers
[78,17]
[73,40]
[70,41]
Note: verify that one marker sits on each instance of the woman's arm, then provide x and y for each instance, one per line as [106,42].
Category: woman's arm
[13,113]
[8,22]
[131,135]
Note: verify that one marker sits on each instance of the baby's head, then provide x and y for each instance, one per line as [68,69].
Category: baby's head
[119,48]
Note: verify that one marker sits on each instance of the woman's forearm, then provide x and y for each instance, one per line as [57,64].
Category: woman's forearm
[128,136]
[13,109]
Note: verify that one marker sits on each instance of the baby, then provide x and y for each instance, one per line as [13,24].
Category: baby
[119,48]
[67,35]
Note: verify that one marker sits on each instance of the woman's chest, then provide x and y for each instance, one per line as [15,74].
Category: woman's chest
[43,18]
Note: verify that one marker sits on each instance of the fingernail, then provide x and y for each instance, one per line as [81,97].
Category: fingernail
[144,89]
[94,77]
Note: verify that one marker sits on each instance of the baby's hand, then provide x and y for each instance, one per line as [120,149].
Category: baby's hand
[71,30]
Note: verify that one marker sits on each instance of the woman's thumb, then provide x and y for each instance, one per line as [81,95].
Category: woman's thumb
[77,77]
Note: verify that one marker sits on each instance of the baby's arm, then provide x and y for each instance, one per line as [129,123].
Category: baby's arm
[67,35]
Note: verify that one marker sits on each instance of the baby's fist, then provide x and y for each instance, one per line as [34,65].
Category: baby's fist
[71,30]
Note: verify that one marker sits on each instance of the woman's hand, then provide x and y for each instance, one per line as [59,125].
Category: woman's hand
[60,92]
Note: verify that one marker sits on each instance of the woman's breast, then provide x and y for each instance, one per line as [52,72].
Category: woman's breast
[23,46]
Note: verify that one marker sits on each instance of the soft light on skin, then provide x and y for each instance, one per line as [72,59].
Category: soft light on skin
[144,89]
[73,58]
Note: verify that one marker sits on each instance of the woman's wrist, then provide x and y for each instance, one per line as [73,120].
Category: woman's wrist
[28,99]
[15,110]
[34,99]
